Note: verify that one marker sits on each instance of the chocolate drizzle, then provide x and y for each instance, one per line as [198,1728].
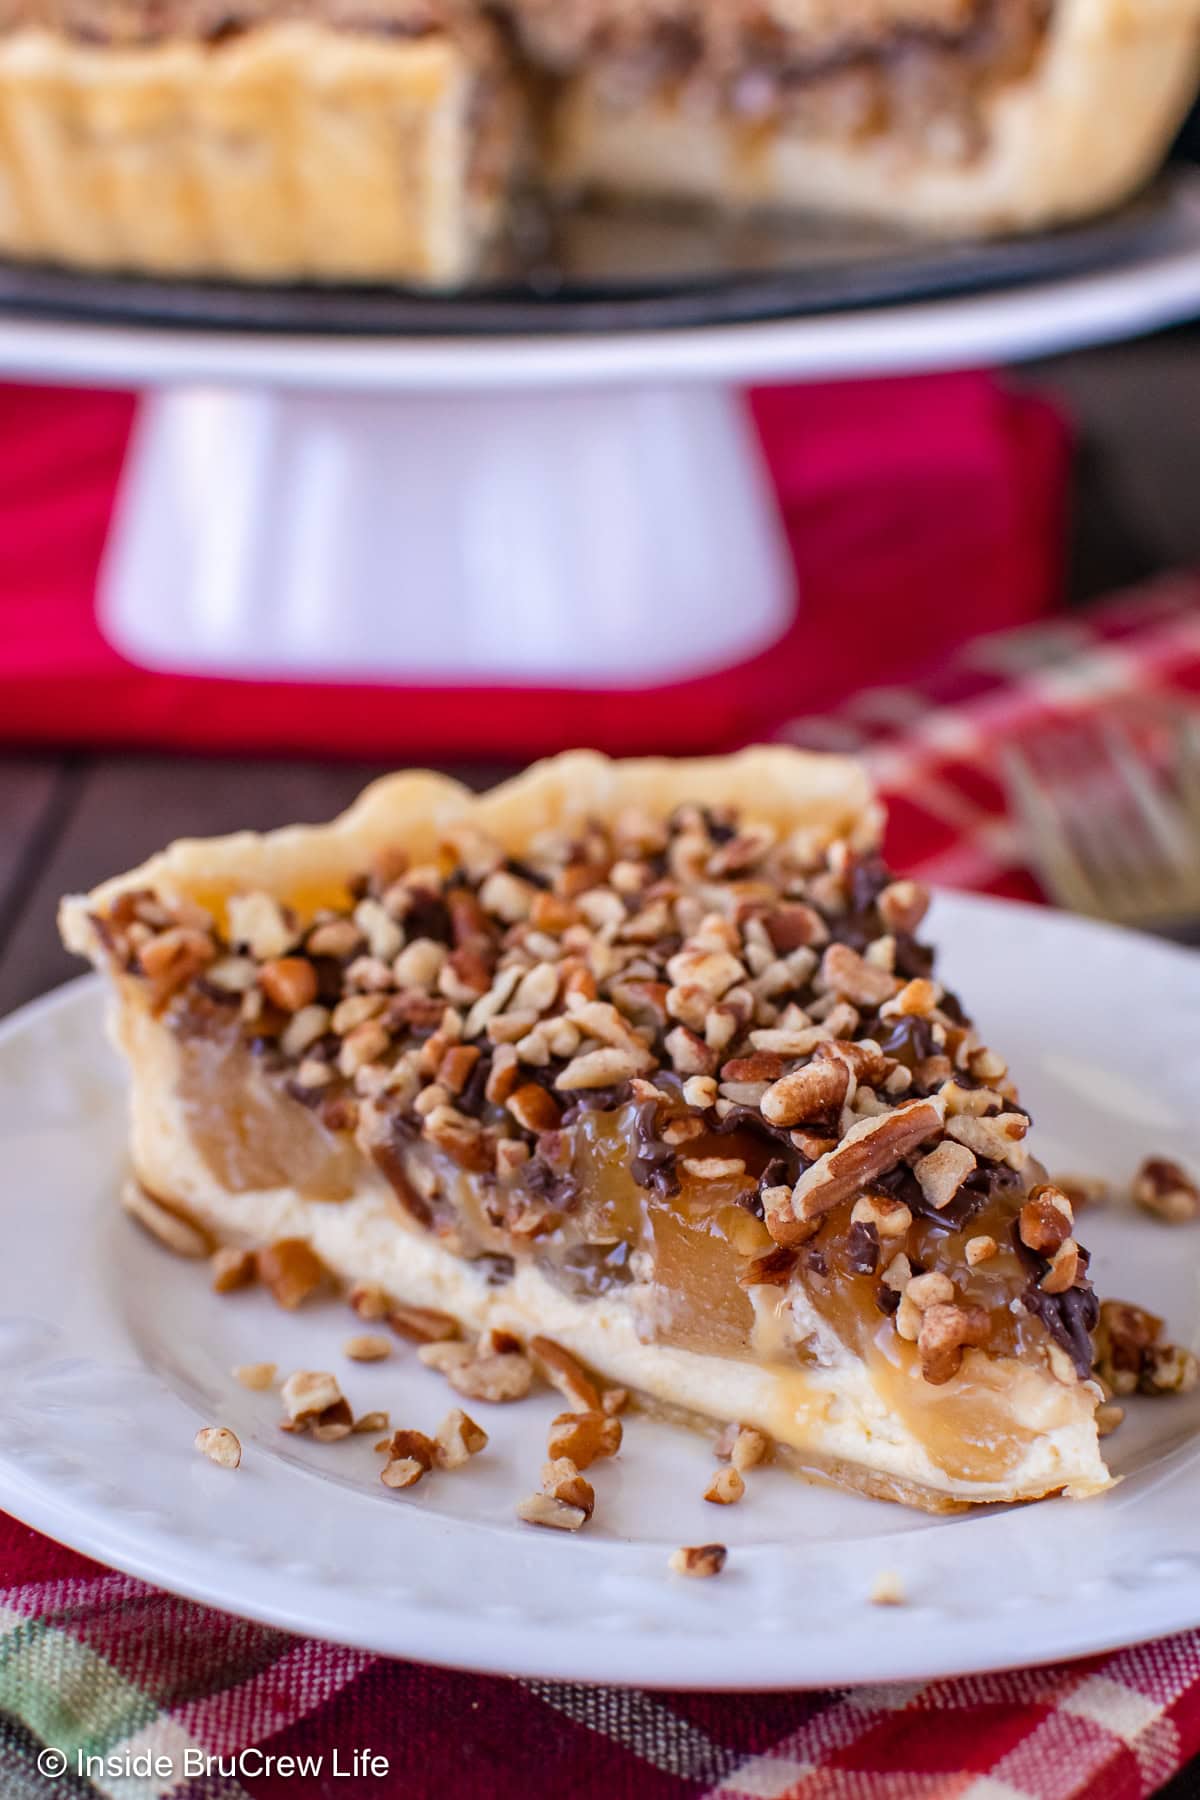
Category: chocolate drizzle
[472,1099]
[587,1100]
[526,872]
[1070,1318]
[653,1163]
[556,1186]
[428,917]
[786,1160]
[914,960]
[862,1248]
[910,1040]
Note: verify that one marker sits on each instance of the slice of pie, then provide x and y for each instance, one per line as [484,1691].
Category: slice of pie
[642,1058]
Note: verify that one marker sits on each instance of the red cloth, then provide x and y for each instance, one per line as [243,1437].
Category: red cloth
[920,511]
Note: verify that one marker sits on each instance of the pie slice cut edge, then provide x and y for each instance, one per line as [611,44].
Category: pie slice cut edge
[644,1058]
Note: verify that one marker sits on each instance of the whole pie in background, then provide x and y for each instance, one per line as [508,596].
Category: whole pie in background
[382,141]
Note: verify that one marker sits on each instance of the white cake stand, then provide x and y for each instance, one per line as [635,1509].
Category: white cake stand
[579,509]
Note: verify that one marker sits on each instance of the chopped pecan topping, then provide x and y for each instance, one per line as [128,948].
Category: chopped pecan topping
[690,1054]
[174,957]
[314,1403]
[232,1269]
[808,1093]
[1045,1220]
[562,1481]
[584,1436]
[292,1270]
[220,1445]
[888,1589]
[1168,1369]
[259,925]
[851,977]
[916,998]
[566,1373]
[289,982]
[1082,1190]
[890,1218]
[370,1302]
[903,905]
[699,1561]
[422,1324]
[1123,1336]
[999,1138]
[869,1149]
[713,1168]
[1064,1268]
[1130,1358]
[743,1445]
[458,1439]
[545,1509]
[942,1172]
[533,1108]
[946,1330]
[402,1472]
[258,1377]
[338,938]
[371,1422]
[408,1445]
[480,1371]
[1166,1190]
[602,1068]
[726,1487]
[933,1289]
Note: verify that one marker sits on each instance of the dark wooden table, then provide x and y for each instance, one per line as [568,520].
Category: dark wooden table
[67,821]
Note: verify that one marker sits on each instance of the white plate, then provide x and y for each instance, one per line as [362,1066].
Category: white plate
[112,1354]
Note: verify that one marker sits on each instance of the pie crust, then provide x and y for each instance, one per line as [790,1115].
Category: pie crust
[721,1250]
[293,151]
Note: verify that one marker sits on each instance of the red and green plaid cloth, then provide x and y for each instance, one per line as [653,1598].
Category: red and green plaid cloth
[98,1663]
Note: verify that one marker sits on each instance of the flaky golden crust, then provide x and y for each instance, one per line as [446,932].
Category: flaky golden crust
[1079,133]
[292,151]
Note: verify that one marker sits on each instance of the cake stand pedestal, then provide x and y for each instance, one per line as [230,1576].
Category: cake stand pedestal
[600,536]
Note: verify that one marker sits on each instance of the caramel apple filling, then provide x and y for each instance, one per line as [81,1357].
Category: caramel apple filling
[691,1254]
[689,1066]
